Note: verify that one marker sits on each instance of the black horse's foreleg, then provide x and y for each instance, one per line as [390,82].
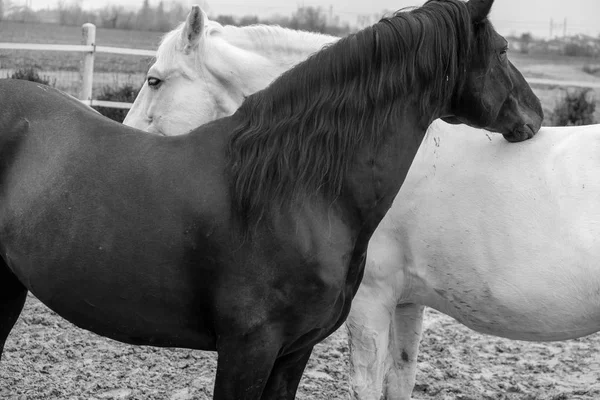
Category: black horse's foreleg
[12,299]
[244,365]
[285,377]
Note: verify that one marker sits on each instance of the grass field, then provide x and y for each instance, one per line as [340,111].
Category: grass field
[56,34]
[524,60]
[51,33]
[556,67]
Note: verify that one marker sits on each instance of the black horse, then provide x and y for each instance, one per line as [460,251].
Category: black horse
[248,235]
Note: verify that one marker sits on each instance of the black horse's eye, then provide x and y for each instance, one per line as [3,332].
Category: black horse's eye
[502,54]
[153,82]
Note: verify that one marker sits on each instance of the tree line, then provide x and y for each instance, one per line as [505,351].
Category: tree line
[163,17]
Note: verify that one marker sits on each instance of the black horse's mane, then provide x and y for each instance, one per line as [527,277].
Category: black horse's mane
[298,137]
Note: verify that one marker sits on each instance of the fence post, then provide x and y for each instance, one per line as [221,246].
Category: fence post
[87,70]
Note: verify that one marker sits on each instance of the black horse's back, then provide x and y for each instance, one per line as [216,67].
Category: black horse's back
[73,201]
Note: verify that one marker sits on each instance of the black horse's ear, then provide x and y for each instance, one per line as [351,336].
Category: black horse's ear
[479,9]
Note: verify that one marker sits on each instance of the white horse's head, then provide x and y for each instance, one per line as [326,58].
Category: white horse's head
[203,71]
[167,101]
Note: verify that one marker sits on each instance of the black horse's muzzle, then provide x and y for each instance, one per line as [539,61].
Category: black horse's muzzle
[520,134]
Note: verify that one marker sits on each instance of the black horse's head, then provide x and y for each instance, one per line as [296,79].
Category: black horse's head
[494,94]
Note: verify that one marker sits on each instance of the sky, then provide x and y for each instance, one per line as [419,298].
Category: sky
[508,16]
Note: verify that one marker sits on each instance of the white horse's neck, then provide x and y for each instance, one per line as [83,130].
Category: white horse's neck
[275,41]
[249,58]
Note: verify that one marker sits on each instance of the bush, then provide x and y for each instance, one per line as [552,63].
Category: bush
[578,50]
[526,40]
[126,93]
[31,74]
[592,69]
[577,108]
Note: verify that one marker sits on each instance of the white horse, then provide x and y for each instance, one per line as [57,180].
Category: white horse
[503,238]
[203,71]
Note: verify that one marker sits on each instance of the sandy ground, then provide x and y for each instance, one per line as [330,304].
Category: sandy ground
[48,358]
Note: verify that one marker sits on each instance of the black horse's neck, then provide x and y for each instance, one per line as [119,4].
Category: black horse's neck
[314,127]
[378,172]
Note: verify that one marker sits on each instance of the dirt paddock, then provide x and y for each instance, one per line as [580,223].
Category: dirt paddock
[48,358]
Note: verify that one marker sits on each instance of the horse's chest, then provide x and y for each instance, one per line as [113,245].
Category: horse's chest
[330,310]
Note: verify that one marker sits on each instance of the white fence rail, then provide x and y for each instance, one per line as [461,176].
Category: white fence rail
[89,49]
[552,82]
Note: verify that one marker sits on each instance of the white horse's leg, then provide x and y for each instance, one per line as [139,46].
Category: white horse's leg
[368,326]
[404,349]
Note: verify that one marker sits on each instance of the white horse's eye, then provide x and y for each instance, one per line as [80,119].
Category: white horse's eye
[154,82]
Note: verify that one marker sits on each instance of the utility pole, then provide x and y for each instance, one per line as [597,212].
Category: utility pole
[565,28]
[551,26]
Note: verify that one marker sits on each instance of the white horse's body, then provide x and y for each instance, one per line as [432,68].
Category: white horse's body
[503,237]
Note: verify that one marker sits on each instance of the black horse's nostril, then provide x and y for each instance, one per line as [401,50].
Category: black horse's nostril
[521,133]
[513,137]
[531,129]
[527,131]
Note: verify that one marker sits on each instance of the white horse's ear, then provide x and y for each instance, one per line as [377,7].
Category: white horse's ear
[479,9]
[193,31]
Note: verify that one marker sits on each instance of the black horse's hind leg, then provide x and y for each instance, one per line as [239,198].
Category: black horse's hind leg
[285,377]
[12,299]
